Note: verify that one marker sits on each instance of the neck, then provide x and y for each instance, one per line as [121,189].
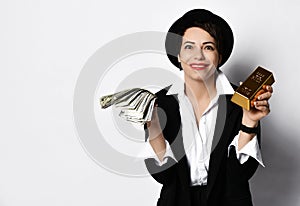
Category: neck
[200,90]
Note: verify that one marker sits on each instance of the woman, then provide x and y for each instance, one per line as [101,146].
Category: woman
[214,168]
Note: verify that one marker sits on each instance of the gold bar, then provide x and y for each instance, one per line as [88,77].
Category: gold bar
[246,92]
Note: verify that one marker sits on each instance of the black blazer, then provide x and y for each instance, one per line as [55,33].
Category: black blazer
[227,179]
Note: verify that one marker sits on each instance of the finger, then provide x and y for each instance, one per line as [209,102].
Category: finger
[258,94]
[261,103]
[148,124]
[264,109]
[264,96]
[252,103]
[268,88]
[262,106]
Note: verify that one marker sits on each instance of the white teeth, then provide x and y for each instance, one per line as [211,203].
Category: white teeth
[198,66]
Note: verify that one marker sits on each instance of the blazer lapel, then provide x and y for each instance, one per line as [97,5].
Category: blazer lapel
[223,130]
[177,141]
[173,133]
[179,153]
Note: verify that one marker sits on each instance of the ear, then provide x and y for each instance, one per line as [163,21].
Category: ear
[178,58]
[220,59]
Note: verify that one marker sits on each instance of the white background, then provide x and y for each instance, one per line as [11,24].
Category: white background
[44,45]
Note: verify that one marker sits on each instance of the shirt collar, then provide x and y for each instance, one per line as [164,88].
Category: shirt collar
[223,85]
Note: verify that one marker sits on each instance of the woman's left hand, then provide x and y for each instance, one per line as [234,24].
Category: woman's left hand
[259,107]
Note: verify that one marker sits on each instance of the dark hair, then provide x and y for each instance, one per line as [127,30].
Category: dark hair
[204,19]
[213,30]
[209,27]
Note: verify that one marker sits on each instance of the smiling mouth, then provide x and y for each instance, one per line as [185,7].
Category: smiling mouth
[199,66]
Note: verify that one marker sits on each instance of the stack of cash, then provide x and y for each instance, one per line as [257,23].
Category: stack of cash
[136,104]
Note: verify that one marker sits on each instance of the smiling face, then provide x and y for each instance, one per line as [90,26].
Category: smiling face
[198,55]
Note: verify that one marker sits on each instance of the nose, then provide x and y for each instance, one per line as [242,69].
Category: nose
[199,55]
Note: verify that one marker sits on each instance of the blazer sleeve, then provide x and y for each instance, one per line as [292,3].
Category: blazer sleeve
[169,117]
[246,170]
[164,174]
[238,175]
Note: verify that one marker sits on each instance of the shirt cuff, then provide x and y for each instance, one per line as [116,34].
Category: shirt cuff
[168,154]
[251,149]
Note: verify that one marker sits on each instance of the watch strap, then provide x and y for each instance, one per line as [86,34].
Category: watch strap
[249,130]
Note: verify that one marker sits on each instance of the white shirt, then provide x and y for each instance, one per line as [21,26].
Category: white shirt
[197,140]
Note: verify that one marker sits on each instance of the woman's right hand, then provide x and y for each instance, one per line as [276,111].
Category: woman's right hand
[154,125]
[156,138]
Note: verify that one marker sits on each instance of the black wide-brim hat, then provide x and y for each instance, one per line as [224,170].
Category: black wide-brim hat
[176,31]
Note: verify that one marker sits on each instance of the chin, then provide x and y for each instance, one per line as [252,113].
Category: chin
[201,75]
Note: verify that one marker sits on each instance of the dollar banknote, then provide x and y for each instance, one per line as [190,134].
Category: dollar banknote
[136,104]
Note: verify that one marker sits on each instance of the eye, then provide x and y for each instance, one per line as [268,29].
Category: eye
[188,46]
[208,47]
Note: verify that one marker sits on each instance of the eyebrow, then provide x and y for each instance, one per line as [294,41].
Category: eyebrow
[190,42]
[208,42]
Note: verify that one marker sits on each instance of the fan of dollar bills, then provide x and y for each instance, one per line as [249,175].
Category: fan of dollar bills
[136,104]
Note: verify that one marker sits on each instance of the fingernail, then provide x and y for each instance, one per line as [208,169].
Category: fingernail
[259,97]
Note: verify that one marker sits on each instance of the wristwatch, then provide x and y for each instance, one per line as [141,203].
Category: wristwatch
[249,130]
